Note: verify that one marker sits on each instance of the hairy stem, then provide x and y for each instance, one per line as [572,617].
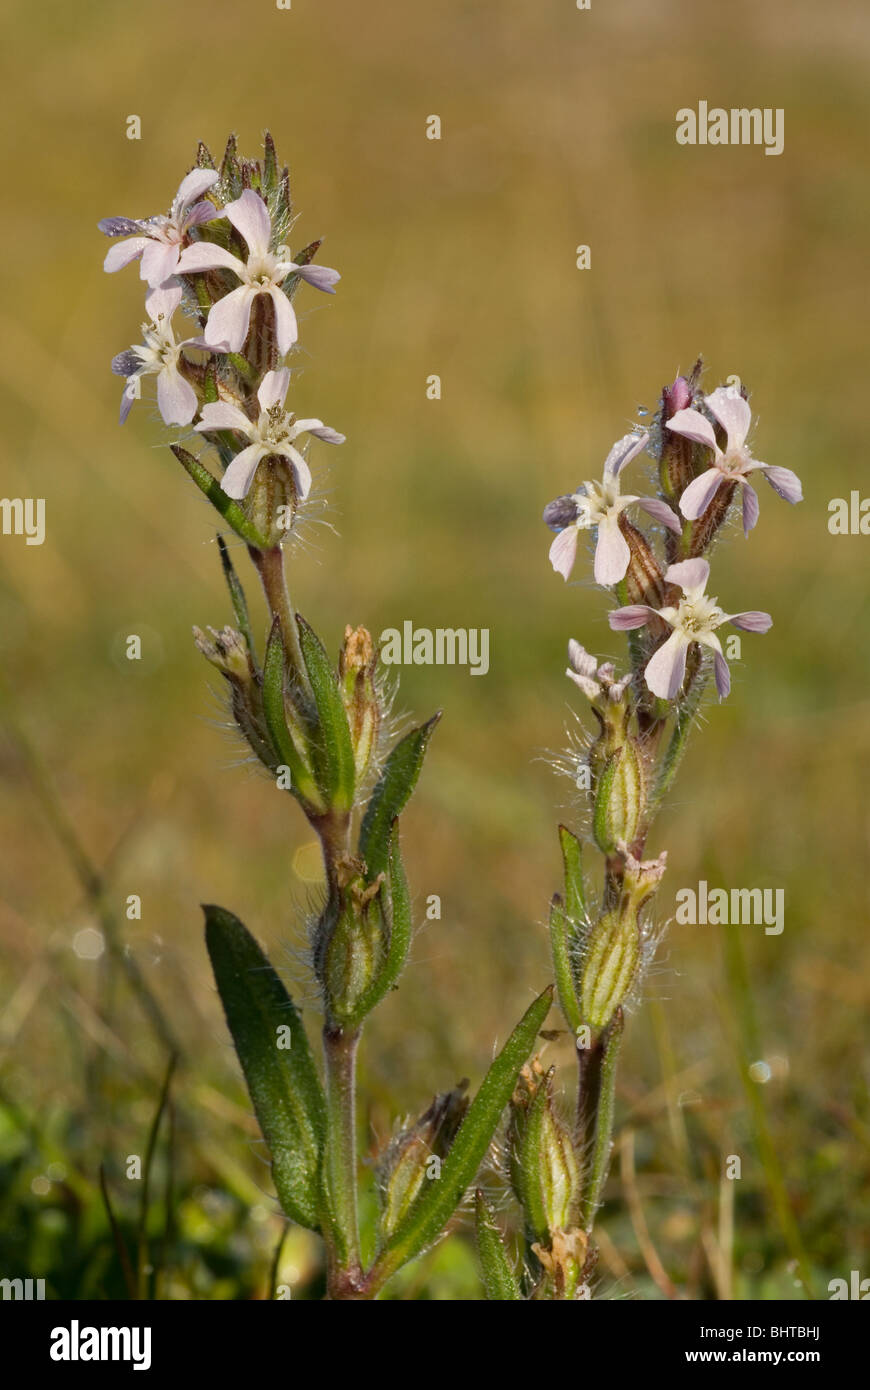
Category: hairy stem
[270,567]
[339,1163]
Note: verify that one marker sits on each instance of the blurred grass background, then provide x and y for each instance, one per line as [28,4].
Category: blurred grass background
[458,258]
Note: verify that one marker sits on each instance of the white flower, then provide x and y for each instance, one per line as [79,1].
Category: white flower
[600,504]
[273,433]
[158,239]
[695,619]
[158,355]
[732,466]
[264,272]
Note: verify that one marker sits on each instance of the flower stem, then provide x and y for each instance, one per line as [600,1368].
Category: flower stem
[270,567]
[339,1163]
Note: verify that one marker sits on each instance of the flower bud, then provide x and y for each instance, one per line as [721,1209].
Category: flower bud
[408,1159]
[357,664]
[273,500]
[613,949]
[351,941]
[228,651]
[676,468]
[544,1169]
[644,579]
[619,798]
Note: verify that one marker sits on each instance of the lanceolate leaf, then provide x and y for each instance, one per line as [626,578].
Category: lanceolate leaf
[562,931]
[575,891]
[499,1278]
[237,595]
[211,488]
[389,797]
[333,748]
[440,1198]
[282,1081]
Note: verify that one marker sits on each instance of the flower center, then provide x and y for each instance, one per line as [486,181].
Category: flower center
[699,615]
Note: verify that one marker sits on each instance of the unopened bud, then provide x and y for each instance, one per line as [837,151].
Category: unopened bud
[408,1160]
[612,953]
[544,1169]
[619,798]
[353,941]
[357,664]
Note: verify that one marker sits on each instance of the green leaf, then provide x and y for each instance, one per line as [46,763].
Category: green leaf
[282,1082]
[390,796]
[438,1200]
[333,750]
[237,596]
[575,890]
[303,784]
[499,1278]
[211,488]
[396,906]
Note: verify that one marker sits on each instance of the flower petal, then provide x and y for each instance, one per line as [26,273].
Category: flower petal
[654,507]
[750,506]
[319,430]
[176,398]
[286,331]
[785,484]
[563,551]
[250,216]
[159,262]
[204,255]
[582,661]
[229,318]
[691,424]
[220,415]
[125,252]
[753,621]
[201,213]
[240,474]
[119,226]
[700,493]
[128,396]
[193,185]
[273,388]
[320,276]
[612,553]
[623,451]
[633,615]
[732,412]
[666,667]
[691,575]
[162,302]
[722,674]
[300,468]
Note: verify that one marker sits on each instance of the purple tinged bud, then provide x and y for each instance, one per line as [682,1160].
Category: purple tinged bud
[677,396]
[560,513]
[126,363]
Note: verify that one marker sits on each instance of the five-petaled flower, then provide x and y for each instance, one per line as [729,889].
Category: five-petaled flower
[264,272]
[159,355]
[158,239]
[732,412]
[273,434]
[695,619]
[600,504]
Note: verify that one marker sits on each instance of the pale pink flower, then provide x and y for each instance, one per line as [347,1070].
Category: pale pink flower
[732,412]
[159,355]
[695,619]
[600,505]
[273,433]
[264,272]
[157,240]
[593,679]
